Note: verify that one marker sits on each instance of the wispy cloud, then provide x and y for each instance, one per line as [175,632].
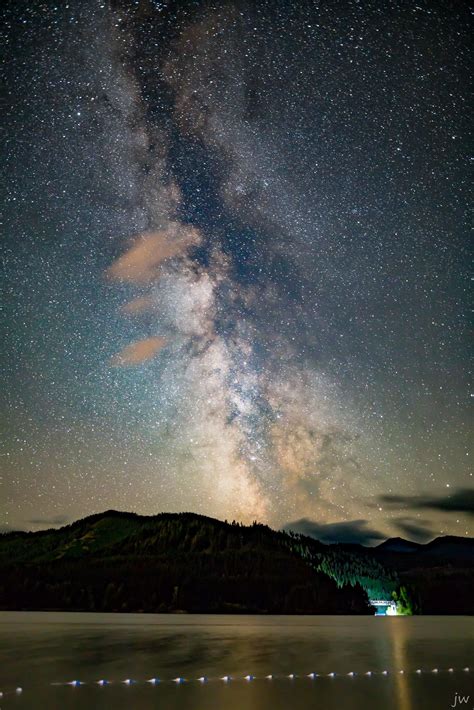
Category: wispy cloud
[139,305]
[139,352]
[140,264]
[49,522]
[355,531]
[459,501]
[416,530]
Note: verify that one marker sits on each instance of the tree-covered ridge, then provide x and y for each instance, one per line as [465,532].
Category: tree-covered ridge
[115,533]
[182,562]
[348,566]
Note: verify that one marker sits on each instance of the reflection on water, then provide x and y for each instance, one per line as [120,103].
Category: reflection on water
[38,649]
[398,639]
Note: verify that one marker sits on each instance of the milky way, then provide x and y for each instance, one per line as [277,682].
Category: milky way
[235,264]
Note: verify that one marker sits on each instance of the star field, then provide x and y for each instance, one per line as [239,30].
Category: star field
[235,263]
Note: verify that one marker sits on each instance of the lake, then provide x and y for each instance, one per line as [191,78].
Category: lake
[40,652]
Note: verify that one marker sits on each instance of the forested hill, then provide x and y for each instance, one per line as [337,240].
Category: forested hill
[434,578]
[118,561]
[169,562]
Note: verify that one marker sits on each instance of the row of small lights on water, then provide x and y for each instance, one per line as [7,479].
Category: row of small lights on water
[248,678]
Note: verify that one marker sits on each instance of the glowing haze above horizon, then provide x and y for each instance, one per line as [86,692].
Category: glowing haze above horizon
[235,264]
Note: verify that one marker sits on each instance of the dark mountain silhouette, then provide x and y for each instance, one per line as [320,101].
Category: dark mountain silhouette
[398,544]
[449,546]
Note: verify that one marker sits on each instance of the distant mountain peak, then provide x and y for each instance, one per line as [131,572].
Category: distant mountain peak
[399,544]
[450,545]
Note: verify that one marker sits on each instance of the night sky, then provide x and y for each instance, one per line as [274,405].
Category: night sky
[235,264]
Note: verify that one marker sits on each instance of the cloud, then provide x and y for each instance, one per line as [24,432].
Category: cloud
[49,522]
[355,531]
[140,264]
[139,352]
[141,304]
[460,501]
[415,530]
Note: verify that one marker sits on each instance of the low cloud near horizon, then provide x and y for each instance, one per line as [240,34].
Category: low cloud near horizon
[49,522]
[413,529]
[351,531]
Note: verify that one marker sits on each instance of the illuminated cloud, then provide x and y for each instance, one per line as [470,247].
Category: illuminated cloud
[139,352]
[140,264]
[141,304]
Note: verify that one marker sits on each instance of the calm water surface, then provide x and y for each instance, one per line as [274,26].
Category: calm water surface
[38,650]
